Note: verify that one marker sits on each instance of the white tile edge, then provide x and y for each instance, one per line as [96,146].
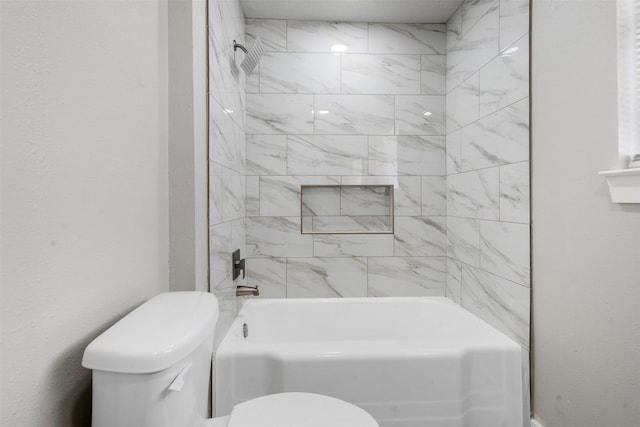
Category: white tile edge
[536,423]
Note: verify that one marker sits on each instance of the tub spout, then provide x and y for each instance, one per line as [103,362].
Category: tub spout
[244,290]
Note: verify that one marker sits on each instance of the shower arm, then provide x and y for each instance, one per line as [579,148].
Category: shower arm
[238,45]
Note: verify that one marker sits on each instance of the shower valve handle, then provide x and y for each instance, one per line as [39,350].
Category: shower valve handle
[238,265]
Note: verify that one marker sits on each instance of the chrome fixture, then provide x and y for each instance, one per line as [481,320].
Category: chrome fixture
[237,265]
[245,291]
[254,53]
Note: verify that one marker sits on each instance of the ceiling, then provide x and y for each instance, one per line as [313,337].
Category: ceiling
[402,11]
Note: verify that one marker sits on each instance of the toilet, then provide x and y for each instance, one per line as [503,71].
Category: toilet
[152,369]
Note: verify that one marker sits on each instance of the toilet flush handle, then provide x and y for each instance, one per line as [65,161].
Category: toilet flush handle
[178,383]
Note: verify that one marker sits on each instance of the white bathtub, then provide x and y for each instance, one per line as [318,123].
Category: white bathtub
[409,362]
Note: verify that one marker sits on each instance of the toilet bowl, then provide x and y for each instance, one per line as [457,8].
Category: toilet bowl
[152,369]
[296,410]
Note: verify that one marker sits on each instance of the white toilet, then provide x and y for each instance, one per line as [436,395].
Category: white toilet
[151,369]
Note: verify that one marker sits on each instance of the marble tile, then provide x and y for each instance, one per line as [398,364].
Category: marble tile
[220,252]
[353,114]
[239,235]
[266,155]
[277,237]
[319,36]
[326,277]
[454,28]
[321,201]
[225,83]
[280,195]
[227,141]
[406,277]
[497,139]
[252,201]
[463,104]
[454,156]
[475,49]
[420,236]
[406,155]
[327,245]
[357,201]
[370,180]
[420,115]
[233,19]
[505,80]
[514,21]
[463,240]
[269,275]
[473,10]
[279,113]
[474,194]
[381,74]
[454,277]
[433,75]
[216,192]
[514,192]
[505,250]
[299,73]
[434,196]
[408,196]
[501,303]
[327,155]
[272,32]
[351,224]
[252,82]
[407,38]
[233,205]
[216,22]
[228,305]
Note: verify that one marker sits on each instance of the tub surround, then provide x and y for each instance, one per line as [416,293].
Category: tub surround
[439,111]
[487,166]
[227,153]
[319,118]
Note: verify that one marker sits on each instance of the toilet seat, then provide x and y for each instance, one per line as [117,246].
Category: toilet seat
[299,410]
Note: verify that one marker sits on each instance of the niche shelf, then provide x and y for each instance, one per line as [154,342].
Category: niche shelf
[346,209]
[624,185]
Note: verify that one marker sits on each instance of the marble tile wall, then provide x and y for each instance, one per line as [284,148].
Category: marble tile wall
[439,112]
[487,164]
[373,115]
[227,153]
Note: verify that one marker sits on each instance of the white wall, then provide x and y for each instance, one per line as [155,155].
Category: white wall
[187,38]
[586,287]
[84,191]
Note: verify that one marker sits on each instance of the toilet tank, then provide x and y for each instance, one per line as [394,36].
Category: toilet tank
[152,368]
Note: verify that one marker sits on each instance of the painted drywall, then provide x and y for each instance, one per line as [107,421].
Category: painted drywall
[200,142]
[84,191]
[181,159]
[188,250]
[586,291]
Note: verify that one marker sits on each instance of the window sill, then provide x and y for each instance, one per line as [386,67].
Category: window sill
[624,185]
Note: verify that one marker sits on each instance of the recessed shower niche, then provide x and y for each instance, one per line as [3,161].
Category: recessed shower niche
[346,209]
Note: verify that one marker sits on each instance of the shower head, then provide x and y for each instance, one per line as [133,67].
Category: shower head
[252,57]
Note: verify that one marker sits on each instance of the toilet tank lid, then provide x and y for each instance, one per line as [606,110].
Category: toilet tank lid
[156,335]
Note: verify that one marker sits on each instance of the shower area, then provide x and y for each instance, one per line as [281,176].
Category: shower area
[436,111]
